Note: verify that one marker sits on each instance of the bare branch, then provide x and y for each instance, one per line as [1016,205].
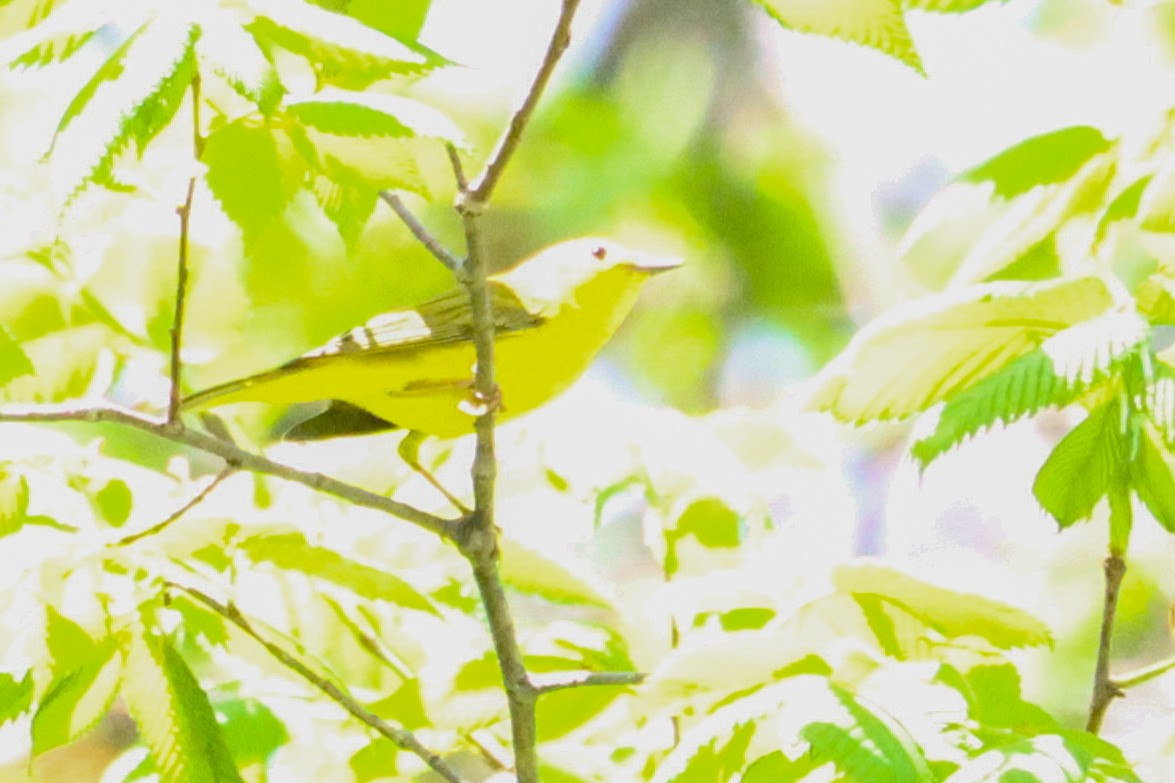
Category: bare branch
[458,168]
[185,508]
[1105,690]
[562,681]
[478,193]
[451,262]
[403,738]
[235,457]
[184,211]
[1145,674]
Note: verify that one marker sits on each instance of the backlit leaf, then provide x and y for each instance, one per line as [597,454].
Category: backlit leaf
[1064,367]
[253,172]
[915,357]
[1152,481]
[1047,159]
[556,579]
[878,24]
[234,54]
[1084,467]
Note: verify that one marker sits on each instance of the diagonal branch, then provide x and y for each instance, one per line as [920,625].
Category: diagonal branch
[478,192]
[1105,689]
[235,457]
[450,261]
[185,508]
[403,738]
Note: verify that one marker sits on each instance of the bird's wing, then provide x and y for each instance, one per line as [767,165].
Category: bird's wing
[441,321]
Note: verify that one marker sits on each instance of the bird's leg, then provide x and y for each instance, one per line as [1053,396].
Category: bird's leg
[409,451]
[478,404]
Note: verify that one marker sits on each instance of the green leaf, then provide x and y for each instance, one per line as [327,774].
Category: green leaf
[347,113]
[54,38]
[948,6]
[76,701]
[16,697]
[342,51]
[174,716]
[952,614]
[1150,476]
[1124,206]
[402,20]
[1084,467]
[132,97]
[65,363]
[252,172]
[13,361]
[931,350]
[1063,368]
[14,502]
[1047,159]
[251,731]
[557,579]
[878,24]
[1156,207]
[1037,217]
[235,55]
[291,551]
[1158,401]
[713,523]
[994,699]
[115,501]
[1155,297]
[865,743]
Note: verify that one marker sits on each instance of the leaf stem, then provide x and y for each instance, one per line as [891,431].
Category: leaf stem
[403,738]
[563,681]
[1105,689]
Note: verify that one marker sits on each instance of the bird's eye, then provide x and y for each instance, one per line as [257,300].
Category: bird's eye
[600,253]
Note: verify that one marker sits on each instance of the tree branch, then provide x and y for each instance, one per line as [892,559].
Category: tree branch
[1145,674]
[478,193]
[235,457]
[185,508]
[184,211]
[450,261]
[403,738]
[562,681]
[1105,689]
[478,538]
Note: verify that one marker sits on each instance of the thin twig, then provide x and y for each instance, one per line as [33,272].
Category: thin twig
[181,276]
[393,200]
[458,167]
[185,508]
[563,681]
[1145,674]
[1105,690]
[479,191]
[403,738]
[234,456]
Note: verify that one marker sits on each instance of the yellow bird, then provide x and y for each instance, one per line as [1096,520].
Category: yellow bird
[413,368]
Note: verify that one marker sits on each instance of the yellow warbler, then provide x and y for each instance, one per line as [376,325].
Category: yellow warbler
[413,368]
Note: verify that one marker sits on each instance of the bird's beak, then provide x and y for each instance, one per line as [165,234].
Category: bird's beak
[654,265]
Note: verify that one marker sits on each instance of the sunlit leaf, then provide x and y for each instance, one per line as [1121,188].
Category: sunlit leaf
[55,37]
[234,54]
[948,6]
[131,98]
[347,113]
[115,500]
[1156,299]
[75,702]
[174,716]
[1047,159]
[13,361]
[951,613]
[251,730]
[253,172]
[16,696]
[557,579]
[1064,367]
[293,552]
[65,364]
[879,24]
[342,51]
[1084,467]
[1151,479]
[1123,207]
[920,355]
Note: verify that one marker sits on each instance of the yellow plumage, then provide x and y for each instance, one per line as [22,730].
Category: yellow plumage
[413,368]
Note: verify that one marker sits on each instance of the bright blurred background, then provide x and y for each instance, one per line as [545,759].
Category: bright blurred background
[786,170]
